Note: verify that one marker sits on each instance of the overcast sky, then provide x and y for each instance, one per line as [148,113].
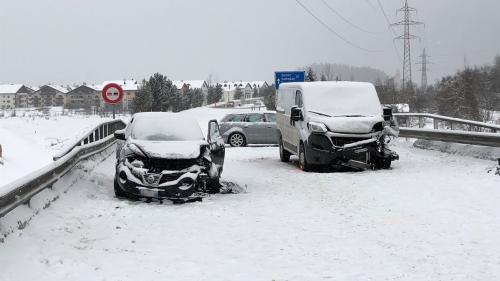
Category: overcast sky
[71,41]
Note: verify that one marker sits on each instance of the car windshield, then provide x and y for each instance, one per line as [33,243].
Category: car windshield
[166,129]
[343,101]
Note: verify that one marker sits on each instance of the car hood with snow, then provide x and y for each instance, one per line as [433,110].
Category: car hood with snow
[171,149]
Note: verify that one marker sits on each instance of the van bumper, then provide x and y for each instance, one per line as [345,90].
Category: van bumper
[322,153]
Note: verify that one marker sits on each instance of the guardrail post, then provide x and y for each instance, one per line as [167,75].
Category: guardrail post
[408,123]
[451,125]
[420,122]
[436,124]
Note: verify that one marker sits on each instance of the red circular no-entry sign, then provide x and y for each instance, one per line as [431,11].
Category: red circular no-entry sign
[112,93]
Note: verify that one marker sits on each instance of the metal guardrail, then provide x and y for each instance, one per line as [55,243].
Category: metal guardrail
[474,136]
[24,189]
[486,139]
[405,119]
[97,133]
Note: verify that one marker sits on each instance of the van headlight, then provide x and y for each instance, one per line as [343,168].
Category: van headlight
[317,127]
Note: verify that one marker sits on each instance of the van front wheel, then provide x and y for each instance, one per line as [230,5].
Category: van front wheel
[304,166]
[284,154]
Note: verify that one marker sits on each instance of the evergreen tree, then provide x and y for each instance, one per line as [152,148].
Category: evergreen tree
[143,99]
[311,76]
[214,94]
[269,94]
[323,77]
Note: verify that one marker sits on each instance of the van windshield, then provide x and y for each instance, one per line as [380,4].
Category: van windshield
[343,101]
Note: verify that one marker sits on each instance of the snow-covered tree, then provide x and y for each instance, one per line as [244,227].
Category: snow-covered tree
[214,94]
[311,76]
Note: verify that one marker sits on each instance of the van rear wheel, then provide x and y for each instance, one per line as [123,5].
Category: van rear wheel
[284,154]
[304,166]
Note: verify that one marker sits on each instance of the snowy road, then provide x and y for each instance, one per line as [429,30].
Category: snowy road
[434,216]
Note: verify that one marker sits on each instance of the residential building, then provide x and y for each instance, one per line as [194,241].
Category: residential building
[50,95]
[84,97]
[249,89]
[193,84]
[14,95]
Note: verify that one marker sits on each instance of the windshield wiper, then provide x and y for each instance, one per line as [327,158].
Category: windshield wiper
[319,113]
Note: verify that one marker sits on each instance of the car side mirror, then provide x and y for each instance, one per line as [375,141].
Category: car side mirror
[296,114]
[388,113]
[213,131]
[120,134]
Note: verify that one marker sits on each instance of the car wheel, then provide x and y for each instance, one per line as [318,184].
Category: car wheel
[284,154]
[214,186]
[302,159]
[237,140]
[384,164]
[119,193]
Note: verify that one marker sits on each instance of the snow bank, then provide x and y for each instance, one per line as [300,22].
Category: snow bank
[476,151]
[29,143]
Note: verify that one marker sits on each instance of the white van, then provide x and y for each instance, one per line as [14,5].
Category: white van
[334,124]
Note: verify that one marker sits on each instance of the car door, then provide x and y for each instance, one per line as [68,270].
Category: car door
[271,129]
[255,128]
[216,143]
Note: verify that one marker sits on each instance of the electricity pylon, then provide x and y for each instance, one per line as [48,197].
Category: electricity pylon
[407,22]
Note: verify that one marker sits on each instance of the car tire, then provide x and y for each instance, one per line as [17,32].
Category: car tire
[384,164]
[237,140]
[304,166]
[214,186]
[284,154]
[119,193]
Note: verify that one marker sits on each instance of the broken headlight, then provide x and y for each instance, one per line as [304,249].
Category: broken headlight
[316,127]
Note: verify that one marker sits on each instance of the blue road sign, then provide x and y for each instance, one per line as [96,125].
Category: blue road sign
[288,77]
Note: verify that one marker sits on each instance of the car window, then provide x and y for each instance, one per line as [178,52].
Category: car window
[236,118]
[254,117]
[270,117]
[214,131]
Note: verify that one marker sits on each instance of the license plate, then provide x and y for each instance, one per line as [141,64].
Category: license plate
[149,193]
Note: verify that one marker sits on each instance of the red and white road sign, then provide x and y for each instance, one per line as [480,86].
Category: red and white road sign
[112,93]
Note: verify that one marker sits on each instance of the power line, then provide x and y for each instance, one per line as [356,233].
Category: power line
[332,30]
[390,27]
[345,19]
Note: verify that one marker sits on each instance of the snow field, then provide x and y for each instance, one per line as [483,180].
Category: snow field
[29,143]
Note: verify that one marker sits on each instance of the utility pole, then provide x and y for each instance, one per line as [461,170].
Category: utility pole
[406,38]
[424,68]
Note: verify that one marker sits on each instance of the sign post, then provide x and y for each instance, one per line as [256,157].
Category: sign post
[281,77]
[112,94]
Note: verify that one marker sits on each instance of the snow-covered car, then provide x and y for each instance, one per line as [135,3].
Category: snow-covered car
[166,156]
[334,123]
[249,128]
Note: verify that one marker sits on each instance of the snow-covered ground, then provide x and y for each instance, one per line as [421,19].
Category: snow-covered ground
[30,142]
[434,216]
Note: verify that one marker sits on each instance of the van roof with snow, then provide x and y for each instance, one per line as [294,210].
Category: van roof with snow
[335,98]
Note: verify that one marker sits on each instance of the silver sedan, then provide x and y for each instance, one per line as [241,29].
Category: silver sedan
[242,129]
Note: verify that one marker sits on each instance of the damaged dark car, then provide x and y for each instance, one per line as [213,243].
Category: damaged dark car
[166,156]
